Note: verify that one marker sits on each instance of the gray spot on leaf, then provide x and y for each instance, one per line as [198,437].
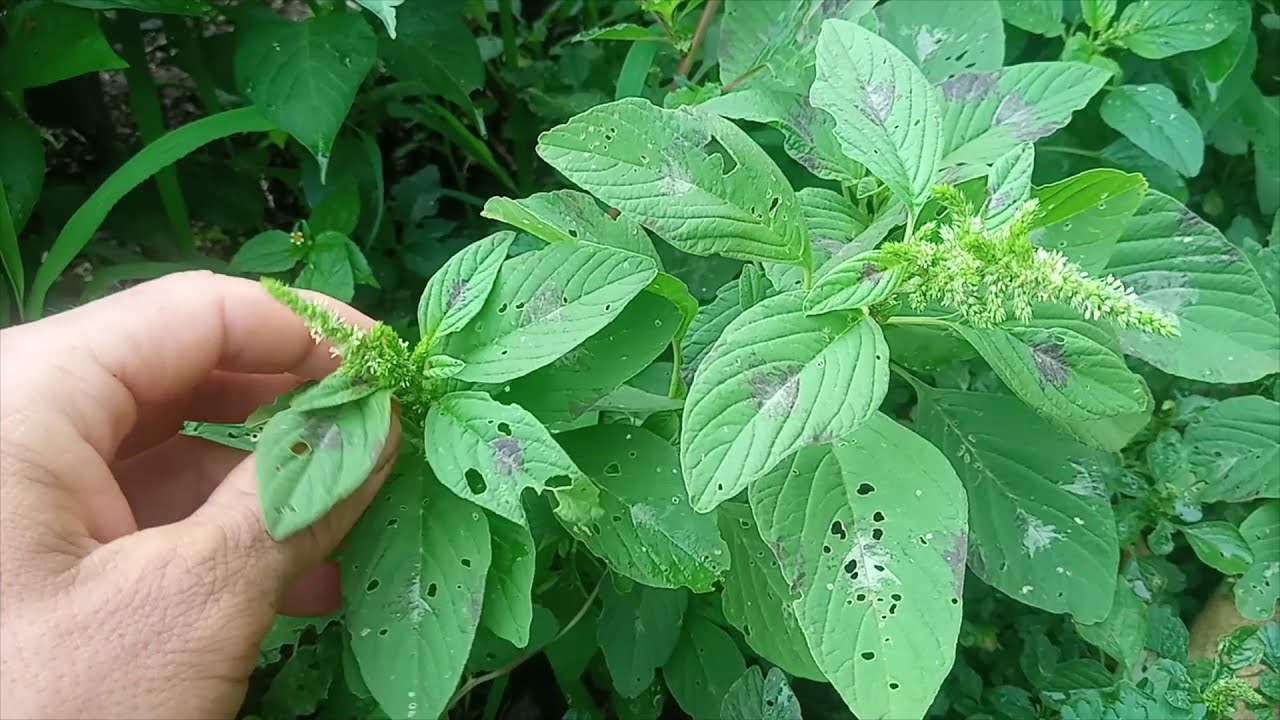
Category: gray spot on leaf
[544,303]
[456,292]
[970,87]
[1051,363]
[775,390]
[1019,117]
[880,101]
[955,555]
[508,455]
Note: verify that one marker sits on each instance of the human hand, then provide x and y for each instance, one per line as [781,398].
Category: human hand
[138,578]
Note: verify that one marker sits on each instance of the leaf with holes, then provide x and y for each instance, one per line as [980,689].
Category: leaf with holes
[1258,590]
[489,453]
[413,574]
[1040,520]
[702,668]
[637,631]
[777,380]
[1235,448]
[457,291]
[1084,215]
[946,39]
[770,43]
[1178,263]
[309,460]
[1150,116]
[1008,186]
[886,113]
[871,536]
[508,591]
[694,178]
[544,304]
[304,75]
[758,600]
[575,382]
[854,283]
[835,224]
[756,697]
[645,528]
[1160,29]
[1219,545]
[987,114]
[570,216]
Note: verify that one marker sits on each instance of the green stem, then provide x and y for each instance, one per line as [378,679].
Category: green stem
[808,276]
[916,320]
[192,60]
[507,24]
[150,118]
[10,253]
[1071,151]
[162,153]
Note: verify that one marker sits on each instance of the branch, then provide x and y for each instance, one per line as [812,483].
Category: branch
[704,22]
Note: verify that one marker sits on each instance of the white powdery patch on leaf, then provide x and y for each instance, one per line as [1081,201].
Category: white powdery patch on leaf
[1036,534]
[927,41]
[1087,482]
[867,564]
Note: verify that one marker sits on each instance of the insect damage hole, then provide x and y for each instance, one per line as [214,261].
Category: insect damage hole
[475,481]
[300,448]
[713,148]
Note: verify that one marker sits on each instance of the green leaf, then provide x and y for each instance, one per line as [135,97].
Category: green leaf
[170,7]
[987,114]
[303,680]
[1084,215]
[1258,590]
[327,268]
[855,282]
[644,528]
[703,667]
[1008,186]
[339,211]
[946,39]
[1040,522]
[833,222]
[1219,545]
[777,380]
[1042,17]
[1098,13]
[770,43]
[489,453]
[335,390]
[758,600]
[413,571]
[877,564]
[22,168]
[886,113]
[1180,264]
[621,31]
[308,461]
[707,327]
[1266,155]
[458,290]
[434,46]
[1150,117]
[1123,633]
[266,252]
[755,697]
[1235,449]
[569,216]
[577,381]
[304,75]
[637,632]
[508,591]
[695,179]
[384,10]
[49,42]
[1158,30]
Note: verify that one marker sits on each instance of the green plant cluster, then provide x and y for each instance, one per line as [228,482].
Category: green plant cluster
[755,359]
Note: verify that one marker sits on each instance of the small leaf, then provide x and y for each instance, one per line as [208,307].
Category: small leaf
[508,590]
[384,10]
[570,216]
[339,211]
[886,113]
[1098,13]
[695,179]
[334,390]
[1219,545]
[327,268]
[854,283]
[308,461]
[755,697]
[457,291]
[544,304]
[776,381]
[1150,117]
[703,667]
[1157,30]
[439,367]
[1258,590]
[266,252]
[1235,448]
[488,453]
[637,632]
[1123,633]
[1008,186]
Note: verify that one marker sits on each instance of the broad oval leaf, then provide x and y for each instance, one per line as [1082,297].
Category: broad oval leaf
[1150,116]
[756,697]
[987,114]
[694,178]
[702,668]
[1219,545]
[757,598]
[304,75]
[777,380]
[413,572]
[946,39]
[457,291]
[1084,215]
[266,252]
[872,536]
[1235,446]
[508,590]
[308,461]
[1040,519]
[1258,590]
[1157,29]
[637,631]
[488,452]
[646,529]
[571,216]
[1180,264]
[50,42]
[886,113]
[544,304]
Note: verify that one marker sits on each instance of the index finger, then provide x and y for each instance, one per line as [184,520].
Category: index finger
[156,342]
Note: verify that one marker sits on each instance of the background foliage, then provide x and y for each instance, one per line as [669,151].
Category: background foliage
[353,147]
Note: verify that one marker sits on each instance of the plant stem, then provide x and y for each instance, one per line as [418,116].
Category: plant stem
[704,22]
[1071,151]
[738,80]
[916,320]
[507,24]
[479,680]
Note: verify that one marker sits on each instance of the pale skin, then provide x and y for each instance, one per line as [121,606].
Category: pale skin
[137,577]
